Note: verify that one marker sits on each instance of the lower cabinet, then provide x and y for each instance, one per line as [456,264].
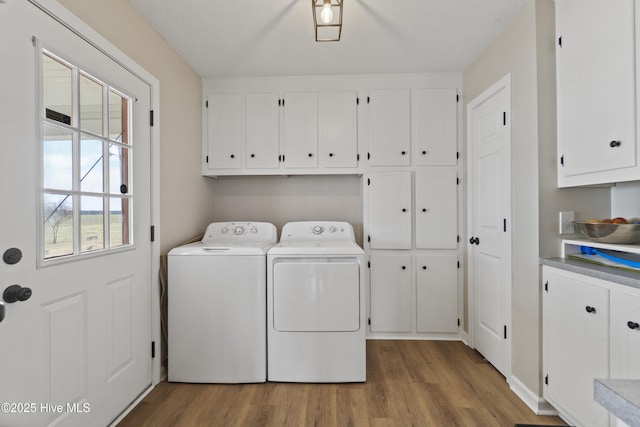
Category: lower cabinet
[414,293]
[591,329]
[575,345]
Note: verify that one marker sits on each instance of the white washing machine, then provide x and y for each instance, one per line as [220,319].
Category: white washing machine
[316,305]
[217,305]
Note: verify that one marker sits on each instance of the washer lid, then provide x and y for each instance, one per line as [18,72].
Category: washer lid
[316,247]
[223,248]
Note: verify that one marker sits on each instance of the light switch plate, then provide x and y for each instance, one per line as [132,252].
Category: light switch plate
[567,220]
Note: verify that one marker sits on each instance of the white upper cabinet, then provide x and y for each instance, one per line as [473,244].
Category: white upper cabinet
[263,131]
[338,129]
[436,209]
[435,113]
[389,127]
[596,90]
[226,131]
[300,138]
[390,210]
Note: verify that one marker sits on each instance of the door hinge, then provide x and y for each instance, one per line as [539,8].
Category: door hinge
[546,379]
[357,101]
[458,267]
[283,102]
[153,349]
[153,233]
[560,41]
[457,181]
[368,100]
[504,224]
[358,157]
[546,286]
[457,98]
[368,156]
[369,320]
[368,264]
[562,160]
[207,159]
[504,118]
[368,181]
[457,154]
[151,118]
[458,322]
[458,238]
[505,332]
[206,104]
[368,238]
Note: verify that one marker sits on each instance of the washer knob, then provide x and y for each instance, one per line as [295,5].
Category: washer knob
[254,230]
[238,230]
[317,230]
[333,229]
[225,230]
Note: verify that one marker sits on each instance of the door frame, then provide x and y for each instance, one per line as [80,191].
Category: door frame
[77,26]
[502,83]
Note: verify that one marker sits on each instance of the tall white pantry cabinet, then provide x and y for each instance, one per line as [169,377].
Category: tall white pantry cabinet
[400,134]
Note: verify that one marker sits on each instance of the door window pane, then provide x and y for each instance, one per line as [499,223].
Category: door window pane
[91,223]
[119,221]
[118,118]
[57,91]
[58,225]
[57,156]
[91,115]
[91,165]
[119,169]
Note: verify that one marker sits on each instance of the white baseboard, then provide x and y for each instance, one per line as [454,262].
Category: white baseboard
[537,404]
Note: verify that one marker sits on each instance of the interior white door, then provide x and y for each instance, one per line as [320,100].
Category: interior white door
[78,351]
[489,248]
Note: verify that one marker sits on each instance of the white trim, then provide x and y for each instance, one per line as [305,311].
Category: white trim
[503,83]
[73,23]
[536,403]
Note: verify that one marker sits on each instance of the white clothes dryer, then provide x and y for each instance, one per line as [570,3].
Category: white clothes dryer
[316,305]
[217,305]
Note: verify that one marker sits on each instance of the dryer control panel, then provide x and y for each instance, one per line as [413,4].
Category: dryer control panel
[240,231]
[325,230]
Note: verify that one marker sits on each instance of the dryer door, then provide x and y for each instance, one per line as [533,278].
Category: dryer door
[319,295]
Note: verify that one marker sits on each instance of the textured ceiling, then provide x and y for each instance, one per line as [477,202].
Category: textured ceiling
[223,38]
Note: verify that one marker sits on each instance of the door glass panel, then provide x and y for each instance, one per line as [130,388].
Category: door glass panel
[119,221]
[118,118]
[91,114]
[80,165]
[91,223]
[57,92]
[118,169]
[57,157]
[58,225]
[91,165]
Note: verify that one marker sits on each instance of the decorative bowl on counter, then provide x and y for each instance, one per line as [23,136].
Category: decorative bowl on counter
[628,234]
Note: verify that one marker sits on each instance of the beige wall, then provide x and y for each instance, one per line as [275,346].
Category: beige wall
[527,51]
[186,204]
[278,199]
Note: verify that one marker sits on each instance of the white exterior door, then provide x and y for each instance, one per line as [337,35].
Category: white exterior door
[78,351]
[489,214]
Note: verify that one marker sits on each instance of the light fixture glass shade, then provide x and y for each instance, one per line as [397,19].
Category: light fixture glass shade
[327,20]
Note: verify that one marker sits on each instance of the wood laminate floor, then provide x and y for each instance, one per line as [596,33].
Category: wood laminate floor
[409,383]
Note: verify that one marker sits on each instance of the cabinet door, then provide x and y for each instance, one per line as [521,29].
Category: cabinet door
[300,140]
[595,89]
[338,129]
[225,132]
[390,210]
[625,334]
[263,131]
[437,293]
[576,345]
[390,293]
[389,127]
[435,126]
[436,209]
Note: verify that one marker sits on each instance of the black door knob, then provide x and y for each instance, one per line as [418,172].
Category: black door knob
[590,309]
[633,325]
[614,144]
[474,241]
[16,293]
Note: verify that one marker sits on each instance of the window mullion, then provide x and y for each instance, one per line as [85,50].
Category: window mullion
[106,179]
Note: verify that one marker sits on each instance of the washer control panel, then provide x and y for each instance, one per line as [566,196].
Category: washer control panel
[240,231]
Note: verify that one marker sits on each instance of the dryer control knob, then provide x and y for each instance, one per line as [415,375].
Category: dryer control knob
[332,229]
[238,230]
[254,230]
[225,230]
[317,230]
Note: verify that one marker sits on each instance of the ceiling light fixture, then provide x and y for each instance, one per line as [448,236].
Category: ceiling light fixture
[329,28]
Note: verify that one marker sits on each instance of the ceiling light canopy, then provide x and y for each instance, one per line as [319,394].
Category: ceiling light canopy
[327,19]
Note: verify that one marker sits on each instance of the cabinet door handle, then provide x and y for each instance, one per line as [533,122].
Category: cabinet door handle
[633,325]
[404,210]
[404,267]
[424,267]
[614,144]
[330,154]
[425,210]
[310,154]
[233,156]
[404,152]
[424,152]
[252,155]
[590,309]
